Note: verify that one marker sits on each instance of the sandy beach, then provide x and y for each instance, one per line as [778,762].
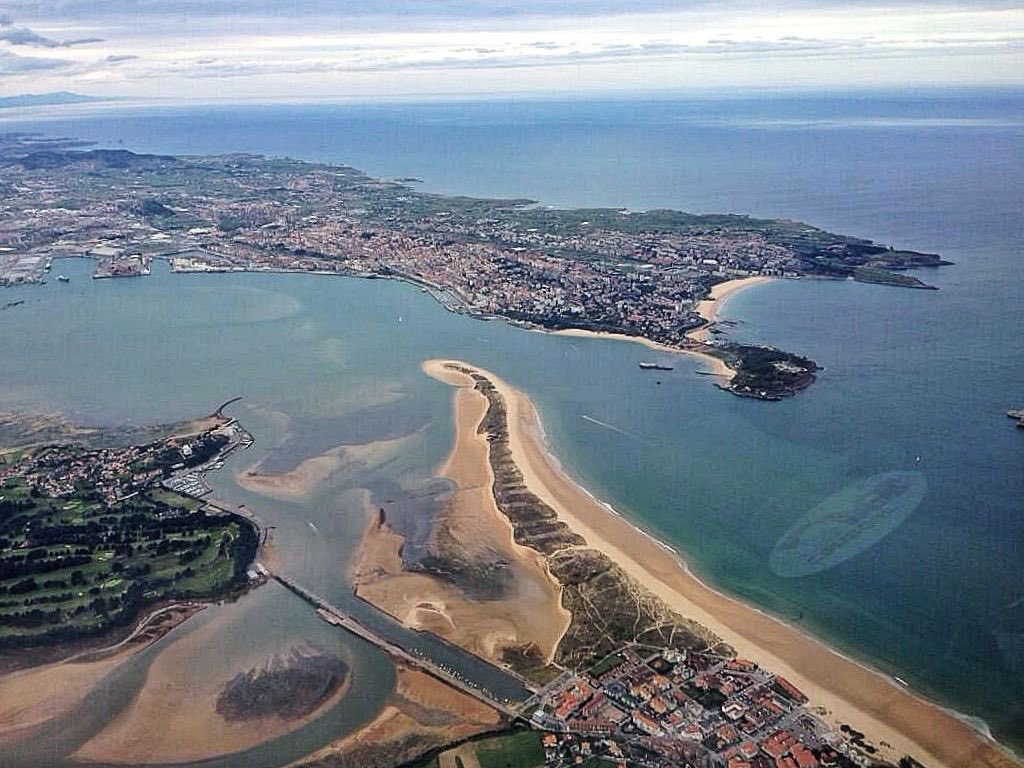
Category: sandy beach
[707,309]
[844,690]
[471,531]
[712,306]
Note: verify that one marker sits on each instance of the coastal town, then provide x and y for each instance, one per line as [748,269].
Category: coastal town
[671,693]
[656,707]
[641,274]
[89,536]
[116,473]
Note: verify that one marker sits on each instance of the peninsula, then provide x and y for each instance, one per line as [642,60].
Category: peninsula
[638,274]
[91,534]
[628,674]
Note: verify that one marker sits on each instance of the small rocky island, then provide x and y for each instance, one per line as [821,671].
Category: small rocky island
[288,686]
[766,373]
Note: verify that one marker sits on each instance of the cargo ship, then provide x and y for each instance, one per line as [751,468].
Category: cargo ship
[654,367]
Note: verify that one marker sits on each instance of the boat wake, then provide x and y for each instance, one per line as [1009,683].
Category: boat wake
[612,427]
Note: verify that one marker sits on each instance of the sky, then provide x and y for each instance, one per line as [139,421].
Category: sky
[252,49]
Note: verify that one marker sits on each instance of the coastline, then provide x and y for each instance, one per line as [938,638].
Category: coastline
[848,692]
[708,309]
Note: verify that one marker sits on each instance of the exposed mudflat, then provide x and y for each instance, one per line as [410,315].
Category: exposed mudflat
[288,686]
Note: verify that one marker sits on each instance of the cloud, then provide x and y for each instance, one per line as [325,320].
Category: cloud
[332,56]
[453,9]
[11,64]
[652,43]
[25,36]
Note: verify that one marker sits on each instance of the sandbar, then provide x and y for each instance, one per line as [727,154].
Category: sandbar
[470,530]
[422,714]
[173,718]
[844,690]
[32,696]
[300,483]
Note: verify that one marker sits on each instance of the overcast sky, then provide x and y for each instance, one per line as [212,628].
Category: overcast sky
[315,48]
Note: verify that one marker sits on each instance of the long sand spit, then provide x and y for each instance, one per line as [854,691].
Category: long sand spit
[472,529]
[848,691]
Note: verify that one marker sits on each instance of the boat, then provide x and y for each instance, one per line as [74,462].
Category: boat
[654,367]
[64,278]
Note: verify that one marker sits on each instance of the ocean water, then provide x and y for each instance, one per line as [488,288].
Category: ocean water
[925,581]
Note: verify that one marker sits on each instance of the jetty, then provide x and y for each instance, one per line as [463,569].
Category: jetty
[338,618]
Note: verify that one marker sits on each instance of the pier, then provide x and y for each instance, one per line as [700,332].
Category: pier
[512,689]
[336,617]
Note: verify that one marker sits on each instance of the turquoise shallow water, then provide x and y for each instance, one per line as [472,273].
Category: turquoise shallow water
[914,382]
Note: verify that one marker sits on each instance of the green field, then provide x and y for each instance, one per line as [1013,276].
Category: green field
[76,566]
[606,665]
[542,675]
[516,750]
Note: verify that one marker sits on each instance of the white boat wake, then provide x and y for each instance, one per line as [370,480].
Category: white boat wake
[612,427]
